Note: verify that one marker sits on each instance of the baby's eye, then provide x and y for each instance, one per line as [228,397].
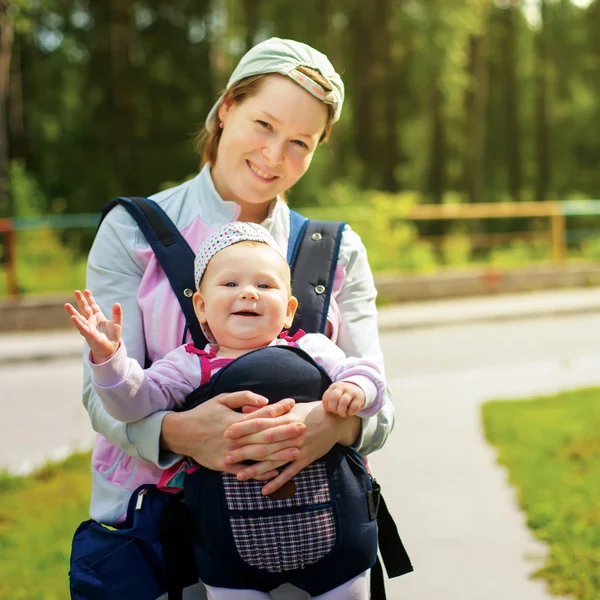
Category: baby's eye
[264,286]
[263,124]
[230,284]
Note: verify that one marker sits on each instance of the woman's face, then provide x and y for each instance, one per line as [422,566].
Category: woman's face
[267,143]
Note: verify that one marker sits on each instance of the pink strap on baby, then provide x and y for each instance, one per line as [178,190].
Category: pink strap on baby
[284,335]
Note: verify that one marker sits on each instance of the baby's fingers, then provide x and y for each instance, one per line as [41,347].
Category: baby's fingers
[117,314]
[91,301]
[82,303]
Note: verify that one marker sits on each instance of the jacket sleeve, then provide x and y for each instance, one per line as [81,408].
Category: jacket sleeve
[114,273]
[358,334]
[129,393]
[340,367]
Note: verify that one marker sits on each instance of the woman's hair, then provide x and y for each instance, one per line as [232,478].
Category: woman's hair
[207,143]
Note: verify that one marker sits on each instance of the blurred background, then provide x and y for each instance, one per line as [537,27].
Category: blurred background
[467,158]
[453,101]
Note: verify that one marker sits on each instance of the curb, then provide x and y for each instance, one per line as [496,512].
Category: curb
[66,344]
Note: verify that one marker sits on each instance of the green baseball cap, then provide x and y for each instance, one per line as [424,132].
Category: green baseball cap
[284,57]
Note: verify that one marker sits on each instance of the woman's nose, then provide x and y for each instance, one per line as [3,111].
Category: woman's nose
[273,152]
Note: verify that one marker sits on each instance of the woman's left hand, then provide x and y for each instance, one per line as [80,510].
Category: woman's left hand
[323,431]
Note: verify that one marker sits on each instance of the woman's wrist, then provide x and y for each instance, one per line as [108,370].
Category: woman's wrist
[173,432]
[349,430]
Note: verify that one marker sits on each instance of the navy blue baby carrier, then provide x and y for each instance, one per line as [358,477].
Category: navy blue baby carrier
[168,541]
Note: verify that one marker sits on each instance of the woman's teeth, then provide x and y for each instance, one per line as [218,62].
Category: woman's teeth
[261,173]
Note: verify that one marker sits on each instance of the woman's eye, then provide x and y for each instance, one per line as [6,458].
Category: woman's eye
[300,144]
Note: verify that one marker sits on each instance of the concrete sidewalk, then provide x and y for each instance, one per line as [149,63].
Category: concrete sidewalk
[48,345]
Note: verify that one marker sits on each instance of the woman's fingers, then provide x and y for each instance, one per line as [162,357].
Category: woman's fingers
[237,400]
[272,431]
[288,473]
[259,420]
[262,452]
[260,470]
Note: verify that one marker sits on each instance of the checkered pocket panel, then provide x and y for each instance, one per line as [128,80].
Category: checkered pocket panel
[312,487]
[283,542]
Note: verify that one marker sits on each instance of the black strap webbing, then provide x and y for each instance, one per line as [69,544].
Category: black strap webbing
[172,252]
[313,272]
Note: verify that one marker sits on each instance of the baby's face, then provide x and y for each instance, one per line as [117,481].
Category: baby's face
[245,296]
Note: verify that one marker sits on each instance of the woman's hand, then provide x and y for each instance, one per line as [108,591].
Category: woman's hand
[322,431]
[200,433]
[101,334]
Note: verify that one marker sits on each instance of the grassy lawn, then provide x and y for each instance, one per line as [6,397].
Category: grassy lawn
[551,447]
[38,516]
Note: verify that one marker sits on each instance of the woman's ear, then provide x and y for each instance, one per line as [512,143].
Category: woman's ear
[225,107]
[292,307]
[199,307]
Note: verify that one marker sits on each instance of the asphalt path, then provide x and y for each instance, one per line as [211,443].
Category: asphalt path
[454,508]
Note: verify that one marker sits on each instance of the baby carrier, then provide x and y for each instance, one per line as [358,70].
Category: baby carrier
[168,540]
[322,535]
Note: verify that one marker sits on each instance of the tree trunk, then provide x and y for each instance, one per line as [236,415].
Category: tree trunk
[6,43]
[250,9]
[16,123]
[364,117]
[388,145]
[511,95]
[123,90]
[436,174]
[476,119]
[542,138]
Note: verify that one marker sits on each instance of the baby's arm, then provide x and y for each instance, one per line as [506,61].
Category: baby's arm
[129,393]
[358,386]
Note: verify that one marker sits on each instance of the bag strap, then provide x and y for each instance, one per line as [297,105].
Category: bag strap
[172,252]
[394,555]
[313,254]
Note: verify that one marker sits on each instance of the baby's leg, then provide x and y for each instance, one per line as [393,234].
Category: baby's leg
[215,593]
[355,589]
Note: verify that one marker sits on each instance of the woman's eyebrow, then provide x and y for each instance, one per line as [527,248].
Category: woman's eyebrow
[276,120]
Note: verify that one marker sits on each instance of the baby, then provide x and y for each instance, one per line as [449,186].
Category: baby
[244,303]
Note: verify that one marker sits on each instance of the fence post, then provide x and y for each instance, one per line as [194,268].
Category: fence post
[10,257]
[558,234]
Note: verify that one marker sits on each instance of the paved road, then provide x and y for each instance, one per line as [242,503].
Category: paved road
[457,515]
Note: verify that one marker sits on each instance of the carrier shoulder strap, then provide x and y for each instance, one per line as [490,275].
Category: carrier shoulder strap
[313,251]
[172,252]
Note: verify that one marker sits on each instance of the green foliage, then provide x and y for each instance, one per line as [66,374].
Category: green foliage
[28,199]
[551,449]
[45,261]
[38,516]
[391,241]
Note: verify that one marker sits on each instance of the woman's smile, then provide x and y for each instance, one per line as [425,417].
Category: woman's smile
[262,175]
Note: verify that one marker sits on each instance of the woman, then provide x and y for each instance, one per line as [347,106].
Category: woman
[279,105]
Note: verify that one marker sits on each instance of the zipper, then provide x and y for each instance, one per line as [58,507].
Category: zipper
[140,498]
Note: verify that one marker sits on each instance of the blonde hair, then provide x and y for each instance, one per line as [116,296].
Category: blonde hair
[207,142]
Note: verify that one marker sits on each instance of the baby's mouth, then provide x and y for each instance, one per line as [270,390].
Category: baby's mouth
[246,313]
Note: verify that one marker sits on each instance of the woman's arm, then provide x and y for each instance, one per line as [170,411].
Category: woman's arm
[114,272]
[358,333]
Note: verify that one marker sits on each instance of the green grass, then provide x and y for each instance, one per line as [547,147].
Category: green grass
[38,516]
[551,447]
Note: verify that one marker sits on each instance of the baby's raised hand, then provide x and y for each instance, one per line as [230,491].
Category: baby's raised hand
[102,335]
[343,398]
